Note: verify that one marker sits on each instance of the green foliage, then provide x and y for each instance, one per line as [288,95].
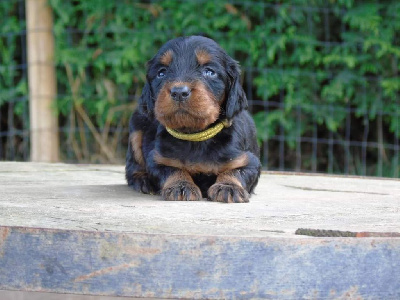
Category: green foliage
[310,61]
[288,42]
[116,38]
[363,55]
[12,86]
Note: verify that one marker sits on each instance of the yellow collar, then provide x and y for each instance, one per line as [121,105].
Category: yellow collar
[202,135]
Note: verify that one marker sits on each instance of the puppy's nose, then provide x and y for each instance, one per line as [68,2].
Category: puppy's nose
[180,93]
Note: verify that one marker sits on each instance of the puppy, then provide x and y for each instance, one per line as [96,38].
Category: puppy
[192,136]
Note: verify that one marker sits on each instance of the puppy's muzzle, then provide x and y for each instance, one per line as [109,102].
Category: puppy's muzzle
[180,93]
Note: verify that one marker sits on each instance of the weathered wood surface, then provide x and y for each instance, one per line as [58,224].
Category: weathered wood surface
[95,197]
[79,229]
[178,266]
[21,295]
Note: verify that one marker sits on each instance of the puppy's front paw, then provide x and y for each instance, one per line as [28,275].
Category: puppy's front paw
[228,193]
[181,191]
[140,182]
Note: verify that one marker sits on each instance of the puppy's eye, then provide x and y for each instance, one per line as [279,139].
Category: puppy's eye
[209,72]
[161,73]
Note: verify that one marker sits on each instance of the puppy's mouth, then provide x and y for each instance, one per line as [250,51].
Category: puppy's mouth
[194,114]
[183,110]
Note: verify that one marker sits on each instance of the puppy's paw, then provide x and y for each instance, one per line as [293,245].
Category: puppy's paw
[140,182]
[181,191]
[228,193]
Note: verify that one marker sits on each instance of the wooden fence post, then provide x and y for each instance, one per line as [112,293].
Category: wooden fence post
[42,82]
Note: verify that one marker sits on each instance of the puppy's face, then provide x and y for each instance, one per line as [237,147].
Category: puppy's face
[189,81]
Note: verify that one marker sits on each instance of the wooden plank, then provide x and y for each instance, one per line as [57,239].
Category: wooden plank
[96,197]
[194,267]
[19,295]
[79,229]
[42,82]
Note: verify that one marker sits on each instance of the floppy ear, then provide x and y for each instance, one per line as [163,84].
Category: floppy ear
[236,99]
[146,104]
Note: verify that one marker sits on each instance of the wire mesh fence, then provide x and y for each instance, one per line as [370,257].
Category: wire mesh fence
[321,78]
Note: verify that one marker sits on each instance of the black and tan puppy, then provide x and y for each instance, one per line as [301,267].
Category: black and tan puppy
[192,136]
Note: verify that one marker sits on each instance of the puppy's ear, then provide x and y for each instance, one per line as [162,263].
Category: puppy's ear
[146,104]
[236,98]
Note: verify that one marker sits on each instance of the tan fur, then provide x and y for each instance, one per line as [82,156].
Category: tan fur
[167,57]
[176,182]
[177,177]
[203,57]
[206,168]
[195,114]
[228,178]
[228,188]
[136,138]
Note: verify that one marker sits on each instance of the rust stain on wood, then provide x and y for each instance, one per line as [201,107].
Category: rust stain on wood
[112,250]
[142,251]
[4,231]
[378,234]
[101,272]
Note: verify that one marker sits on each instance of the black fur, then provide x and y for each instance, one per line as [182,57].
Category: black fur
[220,76]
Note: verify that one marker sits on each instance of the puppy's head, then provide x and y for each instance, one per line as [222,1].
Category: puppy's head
[191,83]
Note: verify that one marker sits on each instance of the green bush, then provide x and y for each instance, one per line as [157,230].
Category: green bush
[14,115]
[12,84]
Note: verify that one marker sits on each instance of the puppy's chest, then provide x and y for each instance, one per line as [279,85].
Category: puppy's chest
[202,161]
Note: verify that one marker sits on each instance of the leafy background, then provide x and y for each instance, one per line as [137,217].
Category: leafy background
[321,76]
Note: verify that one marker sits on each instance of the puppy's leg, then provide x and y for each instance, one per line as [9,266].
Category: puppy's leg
[176,184]
[179,186]
[135,170]
[235,186]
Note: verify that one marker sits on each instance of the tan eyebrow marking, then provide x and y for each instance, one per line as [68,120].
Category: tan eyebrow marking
[203,56]
[166,58]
